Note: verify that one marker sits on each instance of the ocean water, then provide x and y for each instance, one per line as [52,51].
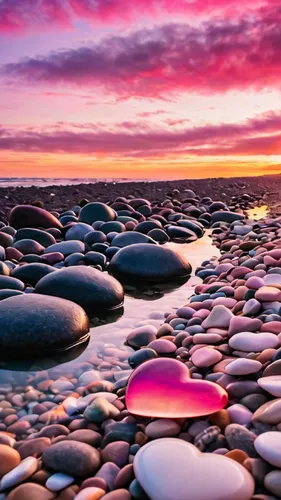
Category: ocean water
[42,181]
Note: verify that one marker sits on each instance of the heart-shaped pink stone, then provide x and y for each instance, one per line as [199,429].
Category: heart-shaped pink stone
[174,469]
[162,387]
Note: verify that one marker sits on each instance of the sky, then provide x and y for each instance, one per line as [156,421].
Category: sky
[149,89]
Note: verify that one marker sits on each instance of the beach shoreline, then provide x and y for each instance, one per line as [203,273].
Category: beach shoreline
[56,197]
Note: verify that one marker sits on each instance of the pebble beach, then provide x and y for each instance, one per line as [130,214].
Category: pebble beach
[140,335]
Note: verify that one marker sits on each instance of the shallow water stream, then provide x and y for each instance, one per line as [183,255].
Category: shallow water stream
[106,345]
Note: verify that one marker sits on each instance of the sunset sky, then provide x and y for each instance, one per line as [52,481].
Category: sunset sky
[140,88]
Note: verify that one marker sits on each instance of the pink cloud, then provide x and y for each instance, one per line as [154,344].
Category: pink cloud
[21,15]
[258,136]
[216,57]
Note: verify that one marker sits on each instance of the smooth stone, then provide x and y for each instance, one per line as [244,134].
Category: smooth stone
[19,474]
[29,322]
[27,247]
[268,294]
[268,446]
[239,414]
[30,491]
[33,446]
[272,482]
[45,239]
[273,369]
[117,452]
[78,231]
[96,211]
[86,286]
[9,459]
[99,410]
[59,481]
[162,346]
[196,476]
[140,356]
[238,437]
[72,457]
[28,216]
[8,283]
[123,240]
[180,396]
[31,273]
[91,493]
[240,324]
[145,262]
[269,413]
[243,366]
[141,336]
[120,494]
[272,279]
[66,247]
[253,342]
[252,307]
[271,384]
[205,357]
[108,472]
[161,428]
[219,317]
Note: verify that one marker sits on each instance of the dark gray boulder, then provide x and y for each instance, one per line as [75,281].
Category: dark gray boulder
[149,263]
[96,211]
[94,290]
[35,324]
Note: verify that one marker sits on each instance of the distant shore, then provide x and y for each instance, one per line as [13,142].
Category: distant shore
[62,197]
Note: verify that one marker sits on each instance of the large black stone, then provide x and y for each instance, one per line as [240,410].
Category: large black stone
[94,290]
[148,263]
[96,211]
[41,237]
[36,324]
[32,273]
[131,238]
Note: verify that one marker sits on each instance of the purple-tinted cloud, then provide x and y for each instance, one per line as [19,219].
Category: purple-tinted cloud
[258,136]
[215,57]
[21,15]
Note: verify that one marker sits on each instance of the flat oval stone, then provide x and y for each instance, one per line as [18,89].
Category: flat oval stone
[243,366]
[206,357]
[72,457]
[88,287]
[9,283]
[268,446]
[271,384]
[32,273]
[151,263]
[9,459]
[59,481]
[19,474]
[45,239]
[32,322]
[28,216]
[78,231]
[163,427]
[269,413]
[30,491]
[66,247]
[253,342]
[91,493]
[196,476]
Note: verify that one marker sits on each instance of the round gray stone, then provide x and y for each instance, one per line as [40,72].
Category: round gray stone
[36,324]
